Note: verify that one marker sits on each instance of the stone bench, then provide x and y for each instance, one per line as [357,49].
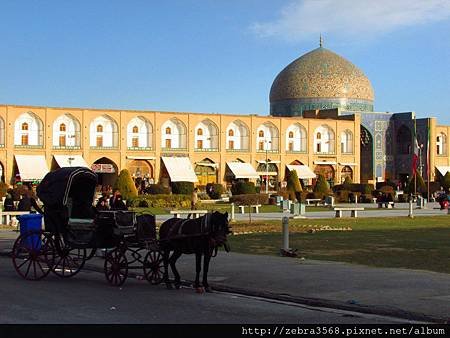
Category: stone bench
[353,211]
[315,201]
[255,207]
[194,213]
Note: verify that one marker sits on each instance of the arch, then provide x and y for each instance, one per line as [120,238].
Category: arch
[404,138]
[327,171]
[66,132]
[140,169]
[206,171]
[441,144]
[324,140]
[139,133]
[268,175]
[270,139]
[347,142]
[237,136]
[346,171]
[107,171]
[104,132]
[206,135]
[367,167]
[174,135]
[28,128]
[2,172]
[296,138]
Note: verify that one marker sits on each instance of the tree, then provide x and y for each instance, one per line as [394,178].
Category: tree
[294,186]
[347,183]
[417,185]
[125,185]
[445,182]
[321,185]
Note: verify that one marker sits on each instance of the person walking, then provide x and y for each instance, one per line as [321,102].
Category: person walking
[194,200]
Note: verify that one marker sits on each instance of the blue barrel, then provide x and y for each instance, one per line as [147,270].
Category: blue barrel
[28,223]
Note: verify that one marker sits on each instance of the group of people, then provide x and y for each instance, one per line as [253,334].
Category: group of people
[27,202]
[115,202]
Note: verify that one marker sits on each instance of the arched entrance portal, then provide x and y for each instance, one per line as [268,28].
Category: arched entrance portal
[206,171]
[270,173]
[346,172]
[327,171]
[141,172]
[106,170]
[2,173]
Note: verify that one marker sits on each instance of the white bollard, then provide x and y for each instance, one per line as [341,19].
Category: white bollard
[232,212]
[410,215]
[285,224]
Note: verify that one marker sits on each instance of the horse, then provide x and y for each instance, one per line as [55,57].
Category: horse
[200,236]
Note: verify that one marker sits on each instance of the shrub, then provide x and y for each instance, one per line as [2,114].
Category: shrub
[214,191]
[157,189]
[242,188]
[294,187]
[125,185]
[203,196]
[322,185]
[162,201]
[182,188]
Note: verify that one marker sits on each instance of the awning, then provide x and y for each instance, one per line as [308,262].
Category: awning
[325,162]
[31,167]
[350,164]
[70,161]
[180,169]
[208,164]
[303,171]
[443,169]
[141,157]
[242,170]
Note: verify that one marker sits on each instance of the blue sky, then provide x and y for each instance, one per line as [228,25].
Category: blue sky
[217,56]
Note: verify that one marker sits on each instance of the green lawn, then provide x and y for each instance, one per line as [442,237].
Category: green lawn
[419,243]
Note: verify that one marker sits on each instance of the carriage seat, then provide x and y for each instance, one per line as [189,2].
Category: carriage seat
[81,223]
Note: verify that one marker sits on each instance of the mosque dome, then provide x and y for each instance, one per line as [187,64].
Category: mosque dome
[320,79]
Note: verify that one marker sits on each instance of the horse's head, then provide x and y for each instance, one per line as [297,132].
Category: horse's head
[220,229]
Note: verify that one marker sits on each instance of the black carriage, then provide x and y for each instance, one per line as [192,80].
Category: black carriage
[74,232]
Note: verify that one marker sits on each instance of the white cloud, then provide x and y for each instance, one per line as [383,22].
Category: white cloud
[301,19]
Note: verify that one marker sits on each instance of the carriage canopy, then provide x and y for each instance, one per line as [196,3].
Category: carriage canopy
[78,183]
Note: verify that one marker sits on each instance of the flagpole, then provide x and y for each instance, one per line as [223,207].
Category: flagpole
[415,145]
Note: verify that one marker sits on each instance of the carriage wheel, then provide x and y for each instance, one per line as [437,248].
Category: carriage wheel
[116,267]
[33,255]
[153,267]
[68,261]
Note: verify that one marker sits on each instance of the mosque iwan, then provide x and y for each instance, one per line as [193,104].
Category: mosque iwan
[322,120]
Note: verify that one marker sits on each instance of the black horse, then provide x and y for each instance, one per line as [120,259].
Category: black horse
[201,236]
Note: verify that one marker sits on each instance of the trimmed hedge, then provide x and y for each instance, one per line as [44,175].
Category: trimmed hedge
[243,188]
[125,185]
[250,199]
[182,188]
[163,201]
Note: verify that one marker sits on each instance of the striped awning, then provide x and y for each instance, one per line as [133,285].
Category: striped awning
[31,167]
[242,170]
[180,169]
[303,171]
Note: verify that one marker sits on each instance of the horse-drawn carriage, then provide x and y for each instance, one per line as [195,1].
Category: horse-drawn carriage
[74,231]
[73,227]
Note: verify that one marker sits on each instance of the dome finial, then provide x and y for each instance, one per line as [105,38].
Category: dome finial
[320,40]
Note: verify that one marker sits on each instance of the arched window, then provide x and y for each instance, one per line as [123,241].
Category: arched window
[231,132]
[324,140]
[441,144]
[24,126]
[237,136]
[261,133]
[291,134]
[135,129]
[62,127]
[99,128]
[168,131]
[346,142]
[200,132]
